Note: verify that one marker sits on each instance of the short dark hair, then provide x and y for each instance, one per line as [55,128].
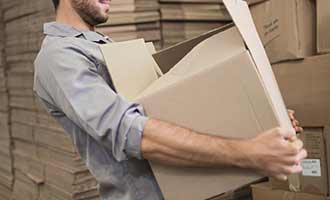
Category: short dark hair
[56,2]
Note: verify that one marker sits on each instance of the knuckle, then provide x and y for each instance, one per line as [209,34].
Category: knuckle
[305,153]
[278,131]
[289,170]
[295,150]
[296,160]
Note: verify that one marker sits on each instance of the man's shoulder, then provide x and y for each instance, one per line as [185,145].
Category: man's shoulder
[56,50]
[54,46]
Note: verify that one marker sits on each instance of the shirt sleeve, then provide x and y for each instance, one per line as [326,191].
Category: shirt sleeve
[70,77]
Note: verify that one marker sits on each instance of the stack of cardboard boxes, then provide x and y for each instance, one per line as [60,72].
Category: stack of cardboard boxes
[286,28]
[6,171]
[185,19]
[46,164]
[132,19]
[304,84]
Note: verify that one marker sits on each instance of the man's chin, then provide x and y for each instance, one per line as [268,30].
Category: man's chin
[101,21]
[96,20]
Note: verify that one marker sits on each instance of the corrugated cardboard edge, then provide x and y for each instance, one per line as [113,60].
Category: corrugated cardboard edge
[161,56]
[241,15]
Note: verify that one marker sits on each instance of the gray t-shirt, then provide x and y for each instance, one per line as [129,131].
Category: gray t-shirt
[73,83]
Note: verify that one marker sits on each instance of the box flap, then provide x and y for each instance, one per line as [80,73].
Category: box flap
[168,57]
[241,15]
[141,66]
[152,50]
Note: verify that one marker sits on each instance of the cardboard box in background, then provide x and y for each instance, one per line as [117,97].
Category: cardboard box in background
[305,88]
[286,28]
[264,191]
[314,178]
[323,26]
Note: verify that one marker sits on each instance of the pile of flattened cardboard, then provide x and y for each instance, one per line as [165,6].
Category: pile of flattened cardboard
[6,167]
[305,85]
[46,164]
[184,19]
[133,19]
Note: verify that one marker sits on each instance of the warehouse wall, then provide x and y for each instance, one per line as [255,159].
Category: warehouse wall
[46,165]
[6,166]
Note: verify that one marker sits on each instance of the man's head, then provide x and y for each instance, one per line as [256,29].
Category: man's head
[93,12]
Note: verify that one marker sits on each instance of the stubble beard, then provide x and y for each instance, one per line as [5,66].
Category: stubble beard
[89,12]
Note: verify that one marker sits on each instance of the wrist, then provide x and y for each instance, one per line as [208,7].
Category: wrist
[243,153]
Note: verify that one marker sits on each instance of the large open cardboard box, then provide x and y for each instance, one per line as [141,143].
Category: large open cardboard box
[219,83]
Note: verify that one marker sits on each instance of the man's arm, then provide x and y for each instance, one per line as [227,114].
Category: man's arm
[271,153]
[67,77]
[70,78]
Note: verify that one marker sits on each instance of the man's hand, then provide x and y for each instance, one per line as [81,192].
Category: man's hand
[294,121]
[277,153]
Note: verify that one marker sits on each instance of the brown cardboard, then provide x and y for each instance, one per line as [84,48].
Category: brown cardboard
[314,178]
[305,88]
[263,191]
[286,28]
[239,84]
[323,28]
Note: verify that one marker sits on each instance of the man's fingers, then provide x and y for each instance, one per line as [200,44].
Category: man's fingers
[296,146]
[291,111]
[302,155]
[291,114]
[295,169]
[299,129]
[296,159]
[295,122]
[286,133]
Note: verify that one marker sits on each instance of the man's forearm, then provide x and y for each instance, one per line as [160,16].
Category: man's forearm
[172,145]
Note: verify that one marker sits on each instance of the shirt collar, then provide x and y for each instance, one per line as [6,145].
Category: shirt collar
[65,30]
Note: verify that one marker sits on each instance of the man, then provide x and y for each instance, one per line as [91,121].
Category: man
[113,136]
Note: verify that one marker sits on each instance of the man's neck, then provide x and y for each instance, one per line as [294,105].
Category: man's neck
[67,15]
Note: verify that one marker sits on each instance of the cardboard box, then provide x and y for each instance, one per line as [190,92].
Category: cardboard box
[286,28]
[264,191]
[305,88]
[200,84]
[314,178]
[323,28]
